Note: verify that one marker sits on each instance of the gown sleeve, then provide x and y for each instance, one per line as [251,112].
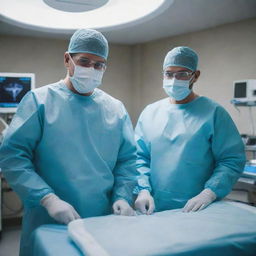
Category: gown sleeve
[229,154]
[125,169]
[17,153]
[143,156]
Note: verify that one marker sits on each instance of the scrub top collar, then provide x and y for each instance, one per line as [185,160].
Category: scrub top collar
[64,87]
[182,106]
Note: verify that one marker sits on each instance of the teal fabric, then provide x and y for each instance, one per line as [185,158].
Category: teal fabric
[221,229]
[80,147]
[184,148]
[181,56]
[53,240]
[89,41]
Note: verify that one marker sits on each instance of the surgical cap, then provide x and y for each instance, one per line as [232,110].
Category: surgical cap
[88,41]
[181,56]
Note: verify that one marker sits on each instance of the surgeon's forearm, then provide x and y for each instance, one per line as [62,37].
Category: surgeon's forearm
[125,180]
[19,171]
[123,190]
[143,178]
[30,187]
[222,180]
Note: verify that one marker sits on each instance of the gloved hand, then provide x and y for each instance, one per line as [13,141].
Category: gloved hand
[121,207]
[200,201]
[58,209]
[145,202]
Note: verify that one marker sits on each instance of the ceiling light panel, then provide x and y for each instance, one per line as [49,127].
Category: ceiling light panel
[63,16]
[75,5]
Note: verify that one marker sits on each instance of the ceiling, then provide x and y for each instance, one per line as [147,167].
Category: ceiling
[175,17]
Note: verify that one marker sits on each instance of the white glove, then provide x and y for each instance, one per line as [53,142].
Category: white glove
[58,209]
[121,207]
[145,202]
[200,201]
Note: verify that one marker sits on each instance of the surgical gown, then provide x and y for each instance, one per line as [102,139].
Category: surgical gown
[80,147]
[184,148]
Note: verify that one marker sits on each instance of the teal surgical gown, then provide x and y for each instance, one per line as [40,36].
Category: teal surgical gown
[79,147]
[185,148]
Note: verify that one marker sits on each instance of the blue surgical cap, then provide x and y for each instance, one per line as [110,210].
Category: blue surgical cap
[181,56]
[88,41]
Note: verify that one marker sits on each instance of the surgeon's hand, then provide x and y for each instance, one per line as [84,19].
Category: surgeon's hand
[200,201]
[58,209]
[145,202]
[121,207]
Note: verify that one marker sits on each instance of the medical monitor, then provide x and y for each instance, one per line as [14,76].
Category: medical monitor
[13,86]
[245,90]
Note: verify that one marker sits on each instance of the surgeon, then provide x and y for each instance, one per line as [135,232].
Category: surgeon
[70,152]
[189,150]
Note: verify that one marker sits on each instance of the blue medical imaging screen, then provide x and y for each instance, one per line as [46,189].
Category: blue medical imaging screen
[12,89]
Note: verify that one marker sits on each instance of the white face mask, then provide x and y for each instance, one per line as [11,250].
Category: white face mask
[177,89]
[85,80]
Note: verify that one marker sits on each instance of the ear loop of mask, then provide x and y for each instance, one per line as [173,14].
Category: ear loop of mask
[192,83]
[74,65]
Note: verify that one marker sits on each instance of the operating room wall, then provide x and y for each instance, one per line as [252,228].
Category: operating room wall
[226,53]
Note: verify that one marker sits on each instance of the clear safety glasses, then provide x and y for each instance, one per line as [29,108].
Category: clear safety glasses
[180,75]
[86,62]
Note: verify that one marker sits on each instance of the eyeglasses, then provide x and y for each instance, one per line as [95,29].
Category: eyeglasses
[181,75]
[86,62]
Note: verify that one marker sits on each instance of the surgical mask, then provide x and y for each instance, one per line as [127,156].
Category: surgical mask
[85,80]
[177,89]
